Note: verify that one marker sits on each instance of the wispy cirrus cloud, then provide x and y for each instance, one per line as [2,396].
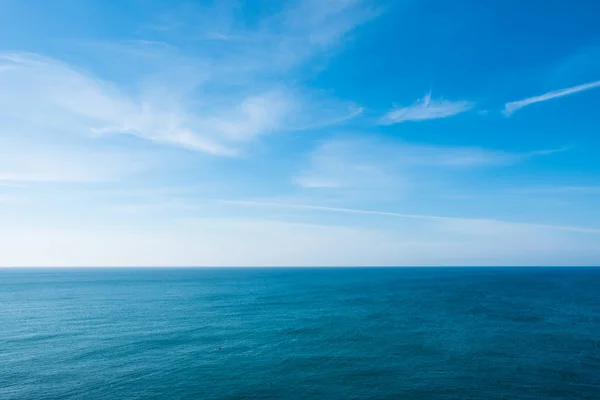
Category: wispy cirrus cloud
[513,106]
[45,94]
[358,162]
[214,100]
[290,36]
[345,163]
[425,109]
[42,96]
[466,225]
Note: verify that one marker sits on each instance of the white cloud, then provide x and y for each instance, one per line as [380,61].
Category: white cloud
[291,37]
[474,226]
[318,25]
[42,94]
[288,35]
[368,163]
[426,108]
[211,100]
[514,106]
[56,97]
[344,164]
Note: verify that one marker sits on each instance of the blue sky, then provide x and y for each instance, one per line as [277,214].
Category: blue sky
[341,132]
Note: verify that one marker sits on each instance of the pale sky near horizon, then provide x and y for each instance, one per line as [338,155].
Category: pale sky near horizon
[299,133]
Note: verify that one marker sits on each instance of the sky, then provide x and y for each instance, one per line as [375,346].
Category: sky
[299,133]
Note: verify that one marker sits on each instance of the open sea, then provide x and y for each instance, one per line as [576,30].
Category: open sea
[398,333]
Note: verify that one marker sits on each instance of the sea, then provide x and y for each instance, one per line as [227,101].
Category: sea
[293,333]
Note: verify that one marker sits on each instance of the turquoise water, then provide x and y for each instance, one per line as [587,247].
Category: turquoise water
[485,333]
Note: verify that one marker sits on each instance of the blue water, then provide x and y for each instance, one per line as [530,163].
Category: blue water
[458,333]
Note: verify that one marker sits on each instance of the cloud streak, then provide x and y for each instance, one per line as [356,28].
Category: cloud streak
[47,96]
[368,163]
[425,109]
[513,106]
[216,100]
[449,222]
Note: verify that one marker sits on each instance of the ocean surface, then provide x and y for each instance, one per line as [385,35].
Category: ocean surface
[405,333]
